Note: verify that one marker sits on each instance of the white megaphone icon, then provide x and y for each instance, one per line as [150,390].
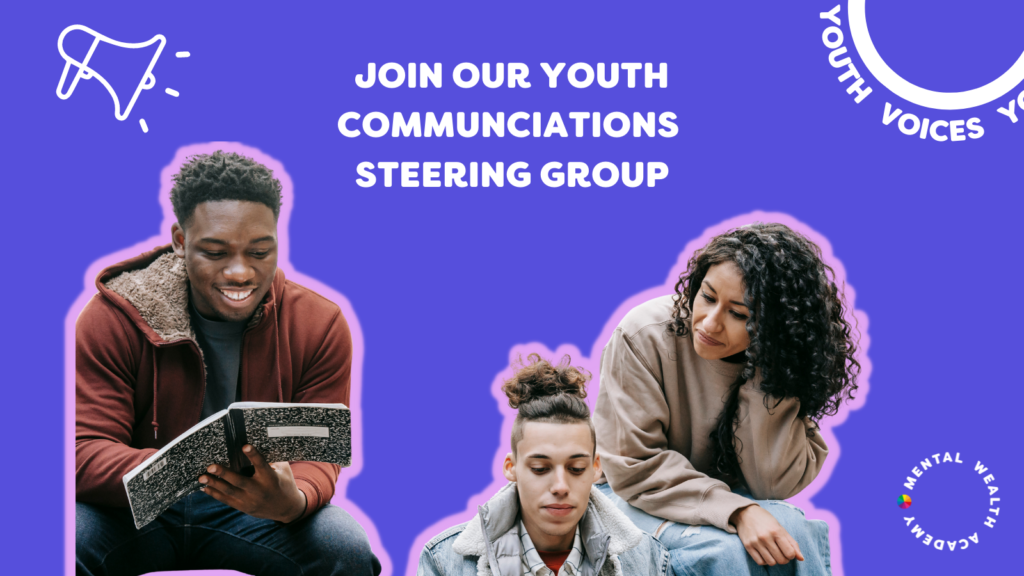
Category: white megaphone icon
[84,72]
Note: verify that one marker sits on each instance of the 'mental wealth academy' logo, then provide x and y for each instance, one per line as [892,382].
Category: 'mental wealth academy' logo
[947,125]
[969,535]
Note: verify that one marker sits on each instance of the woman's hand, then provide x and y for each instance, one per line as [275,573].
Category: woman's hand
[765,539]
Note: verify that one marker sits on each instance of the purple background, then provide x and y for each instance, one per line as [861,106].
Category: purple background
[447,281]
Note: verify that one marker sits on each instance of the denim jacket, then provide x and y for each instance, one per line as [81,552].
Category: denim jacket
[489,545]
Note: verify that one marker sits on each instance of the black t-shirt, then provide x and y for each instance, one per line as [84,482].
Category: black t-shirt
[221,343]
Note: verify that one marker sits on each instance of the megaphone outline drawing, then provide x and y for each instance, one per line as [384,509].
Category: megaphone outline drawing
[86,73]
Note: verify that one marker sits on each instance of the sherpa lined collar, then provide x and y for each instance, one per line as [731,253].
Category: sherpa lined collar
[605,531]
[152,289]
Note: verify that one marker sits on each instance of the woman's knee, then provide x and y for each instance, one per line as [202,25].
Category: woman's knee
[793,520]
[810,535]
[710,551]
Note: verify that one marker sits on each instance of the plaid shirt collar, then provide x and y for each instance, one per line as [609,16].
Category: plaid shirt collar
[534,566]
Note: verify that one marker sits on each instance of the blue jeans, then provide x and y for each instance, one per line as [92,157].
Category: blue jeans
[199,532]
[708,550]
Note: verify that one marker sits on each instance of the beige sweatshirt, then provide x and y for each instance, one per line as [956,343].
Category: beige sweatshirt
[657,404]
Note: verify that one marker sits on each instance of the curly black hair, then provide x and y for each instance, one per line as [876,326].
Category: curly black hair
[799,337]
[223,176]
[543,392]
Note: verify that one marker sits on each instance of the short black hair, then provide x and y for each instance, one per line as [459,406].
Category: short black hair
[223,176]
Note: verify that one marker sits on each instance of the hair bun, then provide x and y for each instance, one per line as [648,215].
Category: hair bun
[539,378]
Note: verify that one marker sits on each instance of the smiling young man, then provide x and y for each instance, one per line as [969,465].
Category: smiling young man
[179,333]
[549,520]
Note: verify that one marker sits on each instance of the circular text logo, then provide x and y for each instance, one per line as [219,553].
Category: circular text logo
[992,99]
[971,524]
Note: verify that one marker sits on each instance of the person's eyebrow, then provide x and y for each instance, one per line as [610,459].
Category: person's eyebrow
[262,239]
[539,456]
[213,241]
[730,301]
[575,456]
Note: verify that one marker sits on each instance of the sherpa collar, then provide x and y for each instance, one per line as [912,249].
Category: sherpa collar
[152,291]
[160,293]
[155,284]
[605,531]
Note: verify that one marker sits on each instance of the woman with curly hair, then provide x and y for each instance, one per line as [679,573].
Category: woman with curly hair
[708,410]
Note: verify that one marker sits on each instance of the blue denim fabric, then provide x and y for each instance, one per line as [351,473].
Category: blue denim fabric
[199,532]
[711,551]
[438,558]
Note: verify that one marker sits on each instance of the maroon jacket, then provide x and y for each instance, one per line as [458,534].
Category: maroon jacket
[140,378]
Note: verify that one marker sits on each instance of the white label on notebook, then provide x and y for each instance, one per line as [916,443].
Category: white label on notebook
[154,469]
[285,431]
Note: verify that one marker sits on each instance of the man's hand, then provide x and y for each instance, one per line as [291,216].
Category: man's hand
[765,539]
[270,493]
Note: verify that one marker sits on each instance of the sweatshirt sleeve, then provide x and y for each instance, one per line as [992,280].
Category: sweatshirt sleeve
[326,378]
[631,418]
[777,457]
[105,367]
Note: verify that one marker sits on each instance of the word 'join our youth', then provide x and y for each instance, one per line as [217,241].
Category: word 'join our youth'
[512,74]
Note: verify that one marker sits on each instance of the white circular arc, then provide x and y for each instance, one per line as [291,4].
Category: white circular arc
[915,94]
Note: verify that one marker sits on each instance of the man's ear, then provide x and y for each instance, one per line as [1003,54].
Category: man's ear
[509,468]
[597,467]
[178,240]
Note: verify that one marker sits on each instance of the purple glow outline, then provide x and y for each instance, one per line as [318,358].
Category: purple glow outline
[592,363]
[284,262]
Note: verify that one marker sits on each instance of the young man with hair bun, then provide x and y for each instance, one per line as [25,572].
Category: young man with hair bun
[549,520]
